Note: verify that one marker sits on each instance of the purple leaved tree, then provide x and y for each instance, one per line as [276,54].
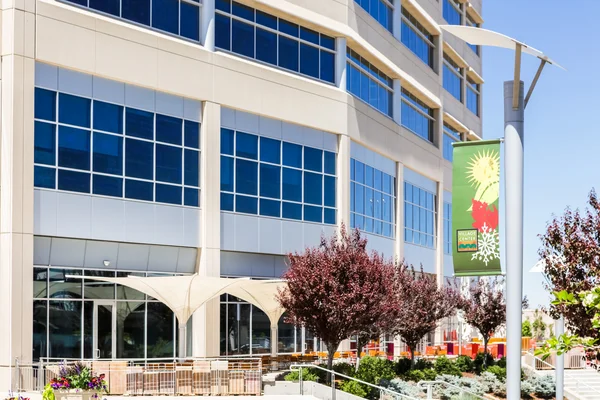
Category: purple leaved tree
[337,290]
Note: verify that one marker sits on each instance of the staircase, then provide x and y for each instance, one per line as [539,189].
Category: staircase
[582,384]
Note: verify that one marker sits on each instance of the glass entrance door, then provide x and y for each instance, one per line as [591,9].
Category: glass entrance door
[104,329]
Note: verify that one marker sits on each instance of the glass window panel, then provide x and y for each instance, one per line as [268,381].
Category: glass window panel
[270,208]
[165,15]
[408,191]
[270,150]
[292,184]
[313,159]
[352,195]
[227,174]
[408,236]
[73,181]
[108,117]
[191,197]
[329,191]
[359,172]
[245,204]
[368,176]
[359,199]
[107,186]
[288,27]
[226,202]
[168,194]
[238,329]
[139,190]
[40,284]
[288,53]
[408,215]
[242,38]
[328,42]
[352,168]
[131,322]
[369,202]
[270,181]
[309,35]
[292,210]
[329,161]
[44,177]
[45,104]
[222,32]
[192,166]
[266,46]
[313,214]
[329,216]
[327,66]
[377,179]
[246,145]
[261,332]
[309,60]
[40,323]
[246,177]
[108,6]
[45,143]
[242,11]
[136,10]
[108,154]
[417,195]
[61,287]
[292,155]
[74,110]
[168,129]
[387,183]
[168,164]
[190,21]
[313,188]
[359,221]
[139,159]
[159,331]
[265,19]
[64,329]
[378,205]
[223,5]
[139,123]
[93,289]
[227,141]
[192,134]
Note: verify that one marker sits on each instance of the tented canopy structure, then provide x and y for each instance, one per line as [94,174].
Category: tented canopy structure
[186,294]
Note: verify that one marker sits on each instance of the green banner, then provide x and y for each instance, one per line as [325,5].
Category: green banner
[475,194]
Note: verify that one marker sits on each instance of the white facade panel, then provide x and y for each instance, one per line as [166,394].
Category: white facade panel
[420,180]
[383,245]
[418,255]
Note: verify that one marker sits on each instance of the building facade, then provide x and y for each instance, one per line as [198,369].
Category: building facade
[163,137]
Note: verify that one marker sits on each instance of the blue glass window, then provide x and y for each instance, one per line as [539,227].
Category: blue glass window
[227,174]
[471,22]
[270,181]
[419,216]
[139,159]
[139,190]
[313,214]
[292,184]
[452,12]
[168,194]
[452,78]
[447,228]
[73,110]
[329,189]
[381,10]
[226,202]
[137,11]
[168,129]
[73,181]
[190,21]
[292,155]
[165,15]
[45,104]
[45,143]
[274,40]
[246,145]
[191,168]
[313,159]
[108,154]
[73,148]
[417,38]
[270,208]
[107,6]
[473,96]
[44,177]
[369,84]
[270,150]
[417,116]
[313,184]
[372,200]
[168,164]
[451,135]
[192,134]
[292,210]
[191,197]
[245,204]
[227,141]
[329,161]
[139,123]
[246,177]
[329,217]
[107,185]
[108,117]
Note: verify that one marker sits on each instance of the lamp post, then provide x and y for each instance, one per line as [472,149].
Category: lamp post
[514,117]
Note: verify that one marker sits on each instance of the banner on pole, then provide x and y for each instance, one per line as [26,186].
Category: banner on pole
[475,195]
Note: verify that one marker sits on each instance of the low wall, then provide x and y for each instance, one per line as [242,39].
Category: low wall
[315,389]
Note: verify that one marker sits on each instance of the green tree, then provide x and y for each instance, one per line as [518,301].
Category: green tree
[526,328]
[539,327]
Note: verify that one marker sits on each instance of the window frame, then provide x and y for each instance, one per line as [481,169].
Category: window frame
[431,118]
[458,71]
[434,212]
[457,6]
[474,87]
[387,4]
[413,24]
[454,135]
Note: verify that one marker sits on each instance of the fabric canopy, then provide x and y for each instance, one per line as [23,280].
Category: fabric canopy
[262,294]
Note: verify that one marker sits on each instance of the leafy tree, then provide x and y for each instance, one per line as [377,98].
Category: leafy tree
[337,290]
[421,305]
[526,328]
[485,309]
[539,327]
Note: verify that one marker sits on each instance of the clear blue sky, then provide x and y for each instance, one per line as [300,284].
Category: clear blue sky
[562,161]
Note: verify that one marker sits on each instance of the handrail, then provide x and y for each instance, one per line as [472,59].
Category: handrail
[334,373]
[430,384]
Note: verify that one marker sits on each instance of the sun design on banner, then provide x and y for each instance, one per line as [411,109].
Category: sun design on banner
[484,174]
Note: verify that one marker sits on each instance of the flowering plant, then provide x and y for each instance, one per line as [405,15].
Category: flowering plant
[78,377]
[11,396]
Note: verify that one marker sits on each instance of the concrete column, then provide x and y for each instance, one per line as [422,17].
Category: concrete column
[399,210]
[397,100]
[343,181]
[207,27]
[397,20]
[340,63]
[16,180]
[206,319]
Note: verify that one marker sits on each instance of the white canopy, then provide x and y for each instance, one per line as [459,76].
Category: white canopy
[261,294]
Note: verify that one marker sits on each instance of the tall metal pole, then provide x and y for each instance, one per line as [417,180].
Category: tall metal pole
[513,156]
[559,329]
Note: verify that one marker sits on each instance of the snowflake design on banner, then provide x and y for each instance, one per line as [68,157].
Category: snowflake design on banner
[489,245]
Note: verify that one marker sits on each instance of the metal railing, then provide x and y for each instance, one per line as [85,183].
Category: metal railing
[463,393]
[573,360]
[384,393]
[194,376]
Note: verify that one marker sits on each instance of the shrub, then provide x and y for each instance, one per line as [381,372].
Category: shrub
[489,381]
[464,363]
[469,384]
[415,375]
[478,363]
[422,363]
[354,388]
[294,376]
[344,368]
[499,372]
[402,387]
[501,362]
[526,389]
[543,386]
[402,366]
[445,366]
[373,369]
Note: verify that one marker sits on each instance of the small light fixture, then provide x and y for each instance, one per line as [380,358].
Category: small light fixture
[106,263]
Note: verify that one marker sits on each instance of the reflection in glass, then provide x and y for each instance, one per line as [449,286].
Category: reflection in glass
[309,342]
[160,331]
[61,287]
[126,293]
[40,314]
[98,289]
[104,334]
[40,285]
[88,327]
[130,329]
[65,329]
[238,329]
[261,332]
[285,336]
